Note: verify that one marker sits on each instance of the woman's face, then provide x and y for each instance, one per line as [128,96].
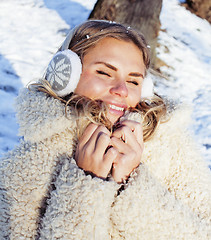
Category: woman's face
[113,72]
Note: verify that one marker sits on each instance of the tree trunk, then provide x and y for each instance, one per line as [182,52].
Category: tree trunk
[143,15]
[201,8]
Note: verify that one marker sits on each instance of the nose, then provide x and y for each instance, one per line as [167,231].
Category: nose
[119,89]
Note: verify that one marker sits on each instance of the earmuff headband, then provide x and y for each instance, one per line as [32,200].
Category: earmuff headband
[64,70]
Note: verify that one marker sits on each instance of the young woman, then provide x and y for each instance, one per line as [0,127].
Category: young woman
[102,156]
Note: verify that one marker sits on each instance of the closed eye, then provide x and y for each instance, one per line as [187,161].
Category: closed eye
[103,73]
[134,82]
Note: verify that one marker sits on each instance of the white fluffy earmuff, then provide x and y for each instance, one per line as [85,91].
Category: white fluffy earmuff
[147,88]
[63,72]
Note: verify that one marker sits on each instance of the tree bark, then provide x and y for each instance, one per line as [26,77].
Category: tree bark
[143,15]
[201,8]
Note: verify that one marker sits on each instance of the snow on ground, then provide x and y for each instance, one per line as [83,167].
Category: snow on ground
[186,47]
[32,30]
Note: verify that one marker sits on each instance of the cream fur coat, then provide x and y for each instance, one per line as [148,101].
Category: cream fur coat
[44,195]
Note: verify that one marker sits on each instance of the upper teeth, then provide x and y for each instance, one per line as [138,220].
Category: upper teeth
[116,108]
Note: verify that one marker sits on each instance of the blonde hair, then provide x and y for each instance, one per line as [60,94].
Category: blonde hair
[85,37]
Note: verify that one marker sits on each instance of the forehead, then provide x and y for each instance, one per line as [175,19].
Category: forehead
[121,54]
[113,45]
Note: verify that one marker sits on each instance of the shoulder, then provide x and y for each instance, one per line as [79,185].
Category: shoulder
[172,145]
[40,116]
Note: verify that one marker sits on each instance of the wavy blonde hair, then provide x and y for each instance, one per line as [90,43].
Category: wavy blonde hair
[85,37]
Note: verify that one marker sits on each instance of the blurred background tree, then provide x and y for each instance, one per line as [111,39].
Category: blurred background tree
[201,8]
[143,15]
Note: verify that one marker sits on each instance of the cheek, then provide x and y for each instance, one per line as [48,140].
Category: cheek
[90,86]
[134,97]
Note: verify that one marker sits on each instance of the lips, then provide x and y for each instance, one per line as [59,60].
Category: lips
[116,107]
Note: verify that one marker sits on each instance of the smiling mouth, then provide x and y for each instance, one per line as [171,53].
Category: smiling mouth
[116,108]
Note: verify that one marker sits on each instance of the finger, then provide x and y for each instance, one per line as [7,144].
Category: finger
[102,142]
[88,133]
[101,133]
[136,128]
[91,133]
[120,145]
[128,158]
[125,134]
[110,156]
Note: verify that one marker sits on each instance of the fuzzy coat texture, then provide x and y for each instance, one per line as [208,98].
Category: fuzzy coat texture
[44,195]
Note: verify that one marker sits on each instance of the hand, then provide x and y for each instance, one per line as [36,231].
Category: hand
[92,154]
[128,141]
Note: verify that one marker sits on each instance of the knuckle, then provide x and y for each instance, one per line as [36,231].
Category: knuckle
[103,137]
[125,128]
[132,154]
[103,129]
[92,126]
[137,125]
[87,150]
[112,151]
[125,122]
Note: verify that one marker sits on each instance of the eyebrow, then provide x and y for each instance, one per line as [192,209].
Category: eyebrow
[107,65]
[136,74]
[132,74]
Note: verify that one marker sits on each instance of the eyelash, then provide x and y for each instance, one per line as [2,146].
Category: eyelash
[134,82]
[106,74]
[103,73]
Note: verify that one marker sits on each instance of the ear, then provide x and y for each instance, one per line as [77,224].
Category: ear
[63,72]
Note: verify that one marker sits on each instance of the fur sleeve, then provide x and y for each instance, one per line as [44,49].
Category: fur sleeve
[79,207]
[145,209]
[25,176]
[176,161]
[190,178]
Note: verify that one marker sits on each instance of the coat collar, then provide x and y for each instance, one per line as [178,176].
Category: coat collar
[40,116]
